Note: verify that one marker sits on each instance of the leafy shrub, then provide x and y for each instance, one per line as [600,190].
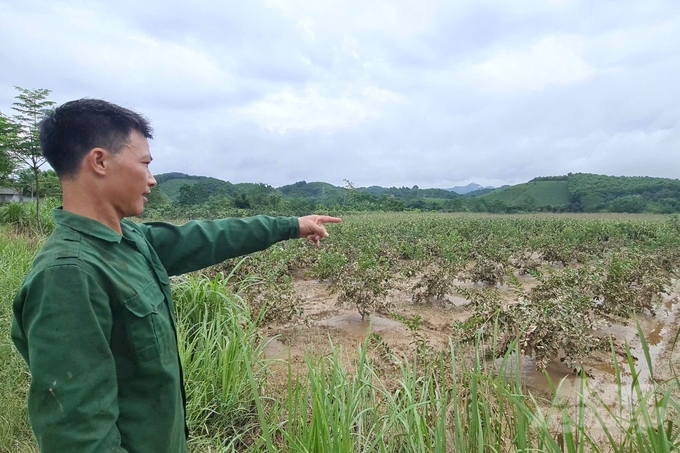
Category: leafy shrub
[365,284]
[21,216]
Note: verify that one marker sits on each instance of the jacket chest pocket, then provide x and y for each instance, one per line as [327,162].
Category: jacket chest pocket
[145,325]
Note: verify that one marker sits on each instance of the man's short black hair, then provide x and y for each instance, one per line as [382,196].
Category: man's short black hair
[73,129]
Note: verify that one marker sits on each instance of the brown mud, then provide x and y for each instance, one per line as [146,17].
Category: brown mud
[326,322]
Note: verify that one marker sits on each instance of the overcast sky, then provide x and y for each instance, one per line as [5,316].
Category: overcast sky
[393,93]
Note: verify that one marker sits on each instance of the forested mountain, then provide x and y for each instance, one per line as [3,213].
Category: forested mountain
[584,192]
[578,192]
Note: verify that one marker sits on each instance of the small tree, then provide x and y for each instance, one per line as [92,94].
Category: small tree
[22,143]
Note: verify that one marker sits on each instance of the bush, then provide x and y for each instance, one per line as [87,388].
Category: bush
[21,216]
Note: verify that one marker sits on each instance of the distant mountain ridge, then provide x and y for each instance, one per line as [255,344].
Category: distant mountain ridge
[472,187]
[579,192]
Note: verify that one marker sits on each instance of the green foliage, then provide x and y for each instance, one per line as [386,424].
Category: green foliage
[532,196]
[21,217]
[364,283]
[157,198]
[21,139]
[49,184]
[8,133]
[592,193]
[194,193]
[16,256]
[219,347]
[172,183]
[571,193]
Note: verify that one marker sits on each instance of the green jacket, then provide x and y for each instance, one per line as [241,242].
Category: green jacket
[94,320]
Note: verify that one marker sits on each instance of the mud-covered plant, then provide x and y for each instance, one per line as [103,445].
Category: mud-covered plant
[556,252]
[550,323]
[487,270]
[630,283]
[364,283]
[435,282]
[554,328]
[271,301]
[526,262]
[486,307]
[572,283]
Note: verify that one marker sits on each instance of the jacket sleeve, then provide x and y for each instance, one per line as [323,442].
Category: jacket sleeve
[198,244]
[63,327]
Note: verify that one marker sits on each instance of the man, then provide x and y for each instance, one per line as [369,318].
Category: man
[94,318]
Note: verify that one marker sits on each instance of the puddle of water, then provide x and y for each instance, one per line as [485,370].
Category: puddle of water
[455,301]
[351,323]
[561,377]
[274,349]
[655,336]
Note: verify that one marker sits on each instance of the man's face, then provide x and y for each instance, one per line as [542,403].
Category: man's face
[132,181]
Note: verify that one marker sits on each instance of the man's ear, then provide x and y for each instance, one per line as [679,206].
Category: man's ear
[97,161]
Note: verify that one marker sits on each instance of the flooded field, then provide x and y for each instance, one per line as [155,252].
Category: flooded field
[328,322]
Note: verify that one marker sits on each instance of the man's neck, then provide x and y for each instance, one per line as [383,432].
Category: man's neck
[94,209]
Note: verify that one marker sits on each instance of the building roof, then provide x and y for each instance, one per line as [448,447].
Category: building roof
[8,191]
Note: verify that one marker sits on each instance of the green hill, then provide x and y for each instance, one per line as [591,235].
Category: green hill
[579,192]
[531,194]
[171,187]
[584,192]
[595,193]
[171,183]
[311,189]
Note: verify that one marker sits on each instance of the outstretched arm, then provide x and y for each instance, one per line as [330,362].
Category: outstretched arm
[198,244]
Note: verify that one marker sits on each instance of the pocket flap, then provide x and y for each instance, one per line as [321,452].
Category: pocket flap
[145,301]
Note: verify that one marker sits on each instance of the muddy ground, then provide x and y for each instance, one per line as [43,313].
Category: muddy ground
[325,322]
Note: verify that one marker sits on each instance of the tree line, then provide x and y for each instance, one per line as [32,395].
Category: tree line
[21,163]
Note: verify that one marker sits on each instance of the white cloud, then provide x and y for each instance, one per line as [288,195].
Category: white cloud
[312,110]
[552,60]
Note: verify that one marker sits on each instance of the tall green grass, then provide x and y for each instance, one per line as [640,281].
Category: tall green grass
[22,219]
[16,255]
[223,362]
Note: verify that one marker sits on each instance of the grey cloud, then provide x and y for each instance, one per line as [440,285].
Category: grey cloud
[378,93]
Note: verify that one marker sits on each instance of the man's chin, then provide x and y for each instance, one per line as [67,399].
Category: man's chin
[136,212]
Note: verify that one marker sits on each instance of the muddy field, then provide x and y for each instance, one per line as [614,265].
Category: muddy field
[326,322]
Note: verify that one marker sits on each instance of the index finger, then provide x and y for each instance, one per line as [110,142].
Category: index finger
[327,219]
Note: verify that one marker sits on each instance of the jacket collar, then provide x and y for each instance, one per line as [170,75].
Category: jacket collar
[85,225]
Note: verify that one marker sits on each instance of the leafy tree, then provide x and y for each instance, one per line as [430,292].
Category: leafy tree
[194,194]
[7,134]
[241,201]
[21,140]
[49,185]
[630,203]
[264,196]
[157,198]
[390,203]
